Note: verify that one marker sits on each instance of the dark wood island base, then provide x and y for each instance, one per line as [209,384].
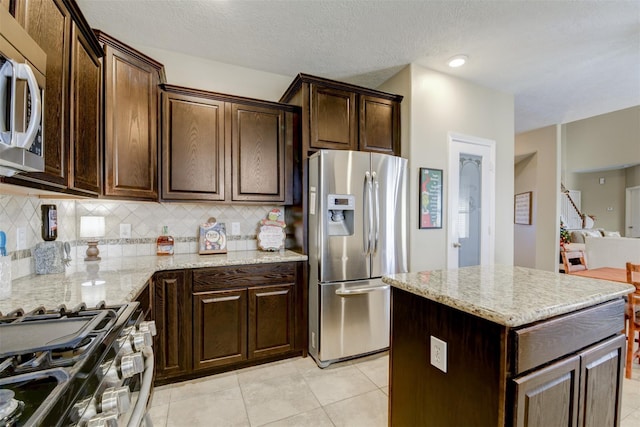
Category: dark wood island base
[561,370]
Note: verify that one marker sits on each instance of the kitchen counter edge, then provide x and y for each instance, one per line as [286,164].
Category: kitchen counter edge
[507,295]
[119,280]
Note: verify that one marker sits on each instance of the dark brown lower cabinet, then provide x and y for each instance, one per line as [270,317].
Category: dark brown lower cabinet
[271,320]
[172,313]
[214,319]
[219,328]
[582,390]
[563,371]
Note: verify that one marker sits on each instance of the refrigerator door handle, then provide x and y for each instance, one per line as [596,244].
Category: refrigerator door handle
[368,206]
[360,291]
[376,203]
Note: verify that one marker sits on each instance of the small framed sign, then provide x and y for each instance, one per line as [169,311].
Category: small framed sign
[212,238]
[522,208]
[430,198]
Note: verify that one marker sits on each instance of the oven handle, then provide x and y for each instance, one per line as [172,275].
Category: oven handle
[140,409]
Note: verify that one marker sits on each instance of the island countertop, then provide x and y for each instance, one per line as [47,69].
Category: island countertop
[507,295]
[121,279]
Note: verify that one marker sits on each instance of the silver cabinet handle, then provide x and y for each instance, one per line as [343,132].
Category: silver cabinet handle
[359,291]
[457,245]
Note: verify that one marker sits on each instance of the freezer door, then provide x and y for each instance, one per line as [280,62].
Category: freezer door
[342,249]
[389,176]
[354,319]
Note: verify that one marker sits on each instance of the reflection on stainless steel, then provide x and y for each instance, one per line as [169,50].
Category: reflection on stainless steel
[357,233]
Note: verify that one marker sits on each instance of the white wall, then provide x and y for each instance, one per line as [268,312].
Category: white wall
[200,73]
[537,245]
[605,201]
[438,104]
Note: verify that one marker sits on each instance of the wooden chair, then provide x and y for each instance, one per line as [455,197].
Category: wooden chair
[569,267]
[633,316]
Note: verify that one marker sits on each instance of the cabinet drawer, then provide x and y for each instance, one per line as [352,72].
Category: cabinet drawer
[243,276]
[546,341]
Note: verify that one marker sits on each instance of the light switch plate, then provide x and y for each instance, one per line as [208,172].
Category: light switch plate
[235,228]
[21,238]
[439,354]
[125,231]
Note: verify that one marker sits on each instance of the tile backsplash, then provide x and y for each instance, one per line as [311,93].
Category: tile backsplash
[146,220]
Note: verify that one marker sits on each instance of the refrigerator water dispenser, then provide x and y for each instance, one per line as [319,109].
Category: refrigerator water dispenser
[340,209]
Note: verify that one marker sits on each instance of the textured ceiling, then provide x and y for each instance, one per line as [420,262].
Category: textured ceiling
[562,60]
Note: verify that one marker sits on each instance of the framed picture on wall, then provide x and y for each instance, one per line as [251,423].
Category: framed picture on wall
[522,208]
[430,198]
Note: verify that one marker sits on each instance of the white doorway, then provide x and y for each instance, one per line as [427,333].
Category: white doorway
[632,217]
[471,201]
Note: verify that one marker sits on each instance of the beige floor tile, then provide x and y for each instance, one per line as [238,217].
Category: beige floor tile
[314,418]
[161,395]
[267,371]
[631,420]
[203,386]
[277,398]
[332,385]
[158,415]
[220,408]
[308,365]
[366,410]
[376,369]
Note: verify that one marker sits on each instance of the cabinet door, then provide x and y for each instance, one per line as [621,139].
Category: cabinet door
[193,157]
[258,147]
[131,110]
[601,384]
[379,125]
[86,86]
[172,313]
[48,22]
[333,119]
[220,328]
[271,320]
[549,396]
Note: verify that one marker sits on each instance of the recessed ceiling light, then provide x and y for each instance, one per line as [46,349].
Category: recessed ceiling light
[457,61]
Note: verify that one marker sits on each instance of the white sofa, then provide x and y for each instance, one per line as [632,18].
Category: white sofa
[611,251]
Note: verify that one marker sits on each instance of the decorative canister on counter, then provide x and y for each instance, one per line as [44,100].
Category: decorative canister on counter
[49,223]
[271,235]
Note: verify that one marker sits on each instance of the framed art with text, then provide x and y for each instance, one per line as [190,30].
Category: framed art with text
[430,198]
[522,208]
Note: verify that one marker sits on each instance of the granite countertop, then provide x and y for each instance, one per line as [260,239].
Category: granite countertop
[507,295]
[123,278]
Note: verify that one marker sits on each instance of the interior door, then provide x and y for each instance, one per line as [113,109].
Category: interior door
[633,212]
[471,203]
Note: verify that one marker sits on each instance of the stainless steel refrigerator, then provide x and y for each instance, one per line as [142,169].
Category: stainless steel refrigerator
[357,233]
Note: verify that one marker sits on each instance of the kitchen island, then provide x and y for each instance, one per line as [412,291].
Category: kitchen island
[515,346]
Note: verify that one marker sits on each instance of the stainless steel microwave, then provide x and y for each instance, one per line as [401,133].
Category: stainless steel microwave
[22,82]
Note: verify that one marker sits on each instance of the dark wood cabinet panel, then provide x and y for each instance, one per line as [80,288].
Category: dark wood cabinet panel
[379,125]
[193,149]
[333,118]
[131,109]
[226,148]
[271,320]
[48,22]
[220,328]
[601,384]
[172,313]
[258,149]
[85,143]
[549,396]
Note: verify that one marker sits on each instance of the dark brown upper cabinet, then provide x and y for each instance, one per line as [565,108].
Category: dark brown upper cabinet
[341,116]
[72,143]
[193,152]
[261,159]
[85,150]
[226,148]
[131,103]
